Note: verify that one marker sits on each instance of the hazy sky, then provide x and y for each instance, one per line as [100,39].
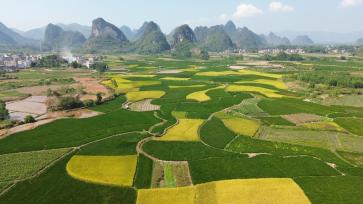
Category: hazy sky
[259,15]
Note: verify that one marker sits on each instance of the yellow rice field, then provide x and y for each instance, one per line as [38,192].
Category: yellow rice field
[251,191]
[190,86]
[241,126]
[139,76]
[141,95]
[175,79]
[239,72]
[215,74]
[275,83]
[109,170]
[201,96]
[324,125]
[185,130]
[182,195]
[251,72]
[264,91]
[121,85]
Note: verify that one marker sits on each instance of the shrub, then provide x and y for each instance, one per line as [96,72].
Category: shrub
[69,102]
[4,113]
[89,103]
[29,119]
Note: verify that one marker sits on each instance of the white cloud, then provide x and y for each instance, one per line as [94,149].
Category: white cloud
[349,3]
[223,17]
[247,10]
[280,7]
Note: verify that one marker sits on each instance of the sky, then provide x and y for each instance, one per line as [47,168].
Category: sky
[262,16]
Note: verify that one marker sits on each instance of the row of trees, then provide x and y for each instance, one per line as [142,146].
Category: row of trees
[332,79]
[282,56]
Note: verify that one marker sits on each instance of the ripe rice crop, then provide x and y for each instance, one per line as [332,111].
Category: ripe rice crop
[182,195]
[264,91]
[175,79]
[185,130]
[141,95]
[214,74]
[250,72]
[109,170]
[275,83]
[324,125]
[190,86]
[122,85]
[201,96]
[238,125]
[269,190]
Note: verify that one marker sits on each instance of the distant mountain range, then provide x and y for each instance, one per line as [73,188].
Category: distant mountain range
[149,39]
[10,37]
[322,37]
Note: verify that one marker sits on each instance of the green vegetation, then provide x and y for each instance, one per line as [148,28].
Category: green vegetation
[290,106]
[56,186]
[22,165]
[77,131]
[342,189]
[51,61]
[29,119]
[353,125]
[4,113]
[332,79]
[215,134]
[239,135]
[143,173]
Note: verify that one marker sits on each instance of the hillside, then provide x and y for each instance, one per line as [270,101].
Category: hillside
[150,39]
[302,40]
[10,37]
[214,38]
[182,34]
[105,36]
[273,40]
[56,38]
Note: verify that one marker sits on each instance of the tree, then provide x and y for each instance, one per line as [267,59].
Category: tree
[29,119]
[75,65]
[204,54]
[4,113]
[99,98]
[100,66]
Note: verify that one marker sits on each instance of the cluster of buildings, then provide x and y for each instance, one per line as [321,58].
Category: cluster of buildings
[17,61]
[82,60]
[275,51]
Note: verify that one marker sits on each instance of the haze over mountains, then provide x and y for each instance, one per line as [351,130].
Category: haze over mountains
[148,39]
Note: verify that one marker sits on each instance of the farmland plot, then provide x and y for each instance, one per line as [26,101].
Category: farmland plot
[185,130]
[144,106]
[201,96]
[239,125]
[228,191]
[141,95]
[109,170]
[22,165]
[254,89]
[170,174]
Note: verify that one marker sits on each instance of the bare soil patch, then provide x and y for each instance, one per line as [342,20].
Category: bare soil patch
[78,113]
[34,105]
[301,118]
[143,106]
[180,172]
[25,127]
[170,71]
[238,67]
[91,86]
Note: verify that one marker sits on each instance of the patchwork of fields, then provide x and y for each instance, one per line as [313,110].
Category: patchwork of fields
[188,131]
